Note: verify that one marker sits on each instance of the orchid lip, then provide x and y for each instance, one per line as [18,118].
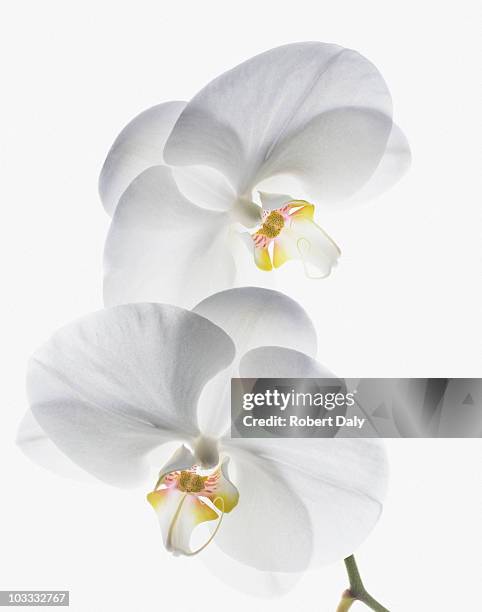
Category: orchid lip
[290,232]
[189,496]
[191,553]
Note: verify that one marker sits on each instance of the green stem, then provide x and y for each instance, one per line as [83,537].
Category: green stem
[357,591]
[346,602]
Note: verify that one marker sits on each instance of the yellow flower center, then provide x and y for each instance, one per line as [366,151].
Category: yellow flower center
[273,224]
[190,483]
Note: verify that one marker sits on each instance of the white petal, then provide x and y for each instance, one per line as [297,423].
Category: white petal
[39,448]
[270,527]
[306,180]
[252,317]
[341,482]
[280,362]
[204,186]
[393,165]
[116,384]
[138,146]
[245,578]
[163,248]
[333,155]
[235,123]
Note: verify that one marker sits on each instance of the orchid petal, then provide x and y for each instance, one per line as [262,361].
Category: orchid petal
[163,248]
[238,121]
[281,362]
[39,448]
[332,492]
[139,146]
[393,165]
[116,384]
[334,155]
[245,578]
[278,524]
[205,186]
[252,317]
[341,482]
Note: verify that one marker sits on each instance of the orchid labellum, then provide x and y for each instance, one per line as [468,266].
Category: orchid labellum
[109,391]
[251,161]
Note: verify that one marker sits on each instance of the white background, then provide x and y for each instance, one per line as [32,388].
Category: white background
[403,301]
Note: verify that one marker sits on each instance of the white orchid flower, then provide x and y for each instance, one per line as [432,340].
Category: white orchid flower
[246,161]
[112,389]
